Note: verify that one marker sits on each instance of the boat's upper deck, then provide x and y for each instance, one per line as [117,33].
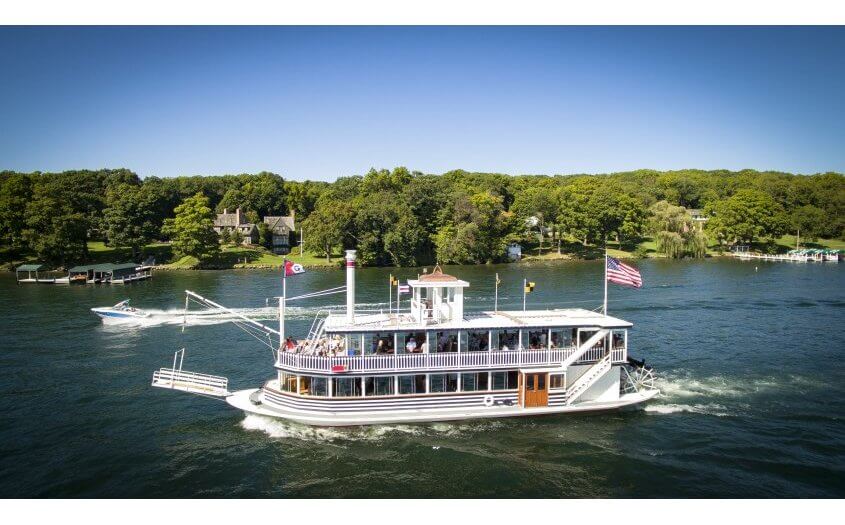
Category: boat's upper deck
[567,317]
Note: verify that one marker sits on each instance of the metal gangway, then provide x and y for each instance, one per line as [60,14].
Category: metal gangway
[175,378]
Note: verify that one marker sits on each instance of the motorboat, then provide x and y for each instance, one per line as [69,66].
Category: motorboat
[121,312]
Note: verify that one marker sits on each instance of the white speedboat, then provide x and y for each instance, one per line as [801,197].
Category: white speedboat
[121,312]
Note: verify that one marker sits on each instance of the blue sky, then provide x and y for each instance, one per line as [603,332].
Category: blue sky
[318,103]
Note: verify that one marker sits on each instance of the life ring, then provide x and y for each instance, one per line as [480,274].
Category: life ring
[488,401]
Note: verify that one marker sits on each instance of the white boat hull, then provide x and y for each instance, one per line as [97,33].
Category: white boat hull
[243,400]
[109,316]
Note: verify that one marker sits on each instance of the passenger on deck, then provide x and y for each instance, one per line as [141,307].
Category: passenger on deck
[411,346]
[381,348]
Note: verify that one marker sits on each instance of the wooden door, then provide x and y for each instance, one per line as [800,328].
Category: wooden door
[535,389]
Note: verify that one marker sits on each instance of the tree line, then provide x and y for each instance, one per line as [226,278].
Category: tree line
[406,218]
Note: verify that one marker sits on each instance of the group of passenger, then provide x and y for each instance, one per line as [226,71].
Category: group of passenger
[324,346]
[382,344]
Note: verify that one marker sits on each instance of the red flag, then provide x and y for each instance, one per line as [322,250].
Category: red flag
[292,268]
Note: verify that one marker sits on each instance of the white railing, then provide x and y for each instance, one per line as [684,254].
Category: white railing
[191,382]
[593,374]
[441,360]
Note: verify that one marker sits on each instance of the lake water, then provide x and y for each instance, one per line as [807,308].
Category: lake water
[748,355]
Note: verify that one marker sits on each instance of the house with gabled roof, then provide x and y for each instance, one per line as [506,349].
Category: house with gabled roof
[282,228]
[232,222]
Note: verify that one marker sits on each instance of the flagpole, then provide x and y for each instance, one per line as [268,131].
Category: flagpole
[524,295]
[282,302]
[390,295]
[604,310]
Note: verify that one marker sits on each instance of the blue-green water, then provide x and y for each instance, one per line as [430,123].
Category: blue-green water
[750,363]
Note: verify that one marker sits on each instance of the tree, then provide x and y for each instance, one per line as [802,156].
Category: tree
[674,231]
[747,215]
[225,236]
[192,230]
[809,220]
[15,193]
[325,228]
[265,235]
[478,232]
[56,226]
[129,219]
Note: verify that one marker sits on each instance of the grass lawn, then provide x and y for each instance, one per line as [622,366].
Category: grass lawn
[788,243]
[247,256]
[98,253]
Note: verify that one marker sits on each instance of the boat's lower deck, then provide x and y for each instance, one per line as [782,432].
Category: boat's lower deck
[265,403]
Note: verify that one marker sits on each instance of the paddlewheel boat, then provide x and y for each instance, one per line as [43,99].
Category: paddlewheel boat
[435,362]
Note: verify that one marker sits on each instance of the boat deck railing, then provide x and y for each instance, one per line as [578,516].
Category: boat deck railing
[444,360]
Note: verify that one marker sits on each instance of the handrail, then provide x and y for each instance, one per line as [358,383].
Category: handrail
[442,360]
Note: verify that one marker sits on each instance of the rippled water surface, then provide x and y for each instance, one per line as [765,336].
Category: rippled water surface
[749,357]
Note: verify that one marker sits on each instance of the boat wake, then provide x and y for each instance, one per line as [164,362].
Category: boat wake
[710,409]
[284,429]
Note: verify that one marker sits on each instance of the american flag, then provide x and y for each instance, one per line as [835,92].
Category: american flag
[620,273]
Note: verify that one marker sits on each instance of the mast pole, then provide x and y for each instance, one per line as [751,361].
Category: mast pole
[604,309]
[282,302]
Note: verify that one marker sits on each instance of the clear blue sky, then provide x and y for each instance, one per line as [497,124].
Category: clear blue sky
[318,103]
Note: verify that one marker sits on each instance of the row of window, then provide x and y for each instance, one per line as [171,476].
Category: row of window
[406,384]
[466,340]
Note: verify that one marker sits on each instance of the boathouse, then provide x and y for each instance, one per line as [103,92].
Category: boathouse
[29,269]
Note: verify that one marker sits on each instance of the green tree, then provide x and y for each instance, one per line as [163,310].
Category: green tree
[15,193]
[265,235]
[129,218]
[192,230]
[746,216]
[325,228]
[478,232]
[809,220]
[225,236]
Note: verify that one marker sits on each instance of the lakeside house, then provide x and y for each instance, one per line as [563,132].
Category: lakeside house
[232,222]
[698,217]
[281,227]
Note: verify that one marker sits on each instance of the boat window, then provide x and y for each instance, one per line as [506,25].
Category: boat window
[447,341]
[505,380]
[562,338]
[411,342]
[618,339]
[355,344]
[412,384]
[287,382]
[534,339]
[346,387]
[318,386]
[474,381]
[507,339]
[557,381]
[379,343]
[541,381]
[443,383]
[475,341]
[379,386]
[304,384]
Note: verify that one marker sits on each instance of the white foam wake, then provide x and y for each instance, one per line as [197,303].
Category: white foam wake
[710,409]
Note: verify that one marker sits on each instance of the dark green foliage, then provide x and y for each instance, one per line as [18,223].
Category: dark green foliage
[406,218]
[192,229]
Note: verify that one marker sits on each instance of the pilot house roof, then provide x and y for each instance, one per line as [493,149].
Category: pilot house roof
[436,279]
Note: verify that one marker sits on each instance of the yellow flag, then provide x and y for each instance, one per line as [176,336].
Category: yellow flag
[529,287]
